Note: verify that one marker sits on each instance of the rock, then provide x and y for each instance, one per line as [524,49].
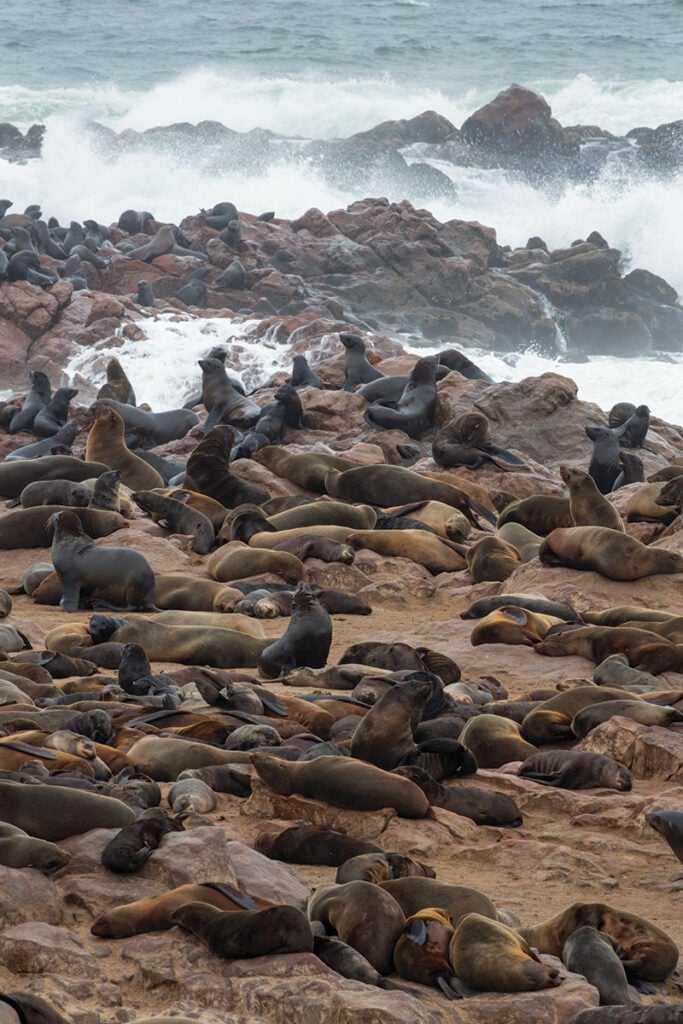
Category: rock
[649,751]
[97,893]
[550,1006]
[39,948]
[265,878]
[264,803]
[27,895]
[195,856]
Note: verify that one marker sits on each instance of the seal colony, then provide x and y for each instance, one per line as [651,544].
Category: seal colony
[183,612]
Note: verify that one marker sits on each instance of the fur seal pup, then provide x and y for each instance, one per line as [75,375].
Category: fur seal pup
[239,562]
[342,782]
[306,641]
[488,956]
[650,955]
[495,741]
[20,850]
[576,769]
[385,485]
[208,471]
[188,645]
[302,374]
[437,554]
[416,408]
[608,552]
[416,894]
[633,431]
[121,577]
[132,847]
[29,527]
[384,736]
[237,934]
[586,504]
[54,492]
[312,844]
[37,398]
[154,913]
[106,444]
[349,963]
[54,813]
[191,795]
[592,954]
[670,825]
[632,470]
[357,368]
[492,559]
[117,386]
[465,441]
[105,492]
[178,518]
[363,915]
[14,476]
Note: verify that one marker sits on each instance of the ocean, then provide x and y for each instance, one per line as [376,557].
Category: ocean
[321,69]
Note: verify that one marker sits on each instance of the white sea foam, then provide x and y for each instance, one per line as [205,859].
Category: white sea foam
[177,345]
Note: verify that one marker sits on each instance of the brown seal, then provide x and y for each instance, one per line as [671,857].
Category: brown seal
[622,613]
[178,518]
[386,485]
[325,513]
[670,825]
[306,641]
[526,542]
[208,471]
[307,470]
[20,850]
[421,953]
[237,934]
[380,867]
[189,645]
[644,649]
[495,741]
[219,620]
[56,812]
[576,769]
[436,553]
[212,509]
[194,594]
[650,954]
[106,444]
[541,513]
[14,476]
[415,894]
[636,710]
[385,735]
[131,848]
[120,577]
[511,624]
[118,386]
[342,782]
[237,561]
[587,505]
[279,538]
[552,721]
[362,914]
[654,503]
[593,954]
[443,519]
[492,559]
[490,957]
[312,844]
[54,492]
[30,527]
[612,554]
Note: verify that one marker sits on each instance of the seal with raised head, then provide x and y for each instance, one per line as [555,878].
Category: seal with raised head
[342,782]
[36,399]
[222,401]
[608,552]
[306,641]
[592,954]
[237,934]
[120,577]
[362,914]
[670,825]
[106,444]
[208,471]
[586,504]
[604,465]
[52,417]
[178,518]
[357,368]
[117,386]
[416,408]
[384,736]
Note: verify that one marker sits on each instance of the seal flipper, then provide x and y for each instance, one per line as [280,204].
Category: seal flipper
[71,594]
[416,931]
[452,987]
[502,453]
[242,899]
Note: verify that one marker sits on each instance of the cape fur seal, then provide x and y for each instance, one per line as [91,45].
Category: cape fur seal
[106,444]
[586,504]
[488,956]
[362,914]
[608,552]
[121,577]
[306,641]
[30,527]
[237,934]
[415,410]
